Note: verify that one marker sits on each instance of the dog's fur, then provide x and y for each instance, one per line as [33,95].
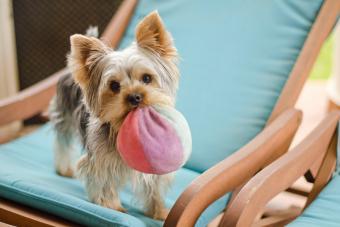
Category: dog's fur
[90,105]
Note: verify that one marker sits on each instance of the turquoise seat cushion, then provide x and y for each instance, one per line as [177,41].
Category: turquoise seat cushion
[235,59]
[27,176]
[324,210]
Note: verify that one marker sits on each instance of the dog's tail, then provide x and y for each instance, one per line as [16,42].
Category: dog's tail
[92,31]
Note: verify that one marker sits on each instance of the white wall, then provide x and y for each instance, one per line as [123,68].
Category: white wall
[8,64]
[8,60]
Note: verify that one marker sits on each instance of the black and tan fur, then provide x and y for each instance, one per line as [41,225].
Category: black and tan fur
[89,107]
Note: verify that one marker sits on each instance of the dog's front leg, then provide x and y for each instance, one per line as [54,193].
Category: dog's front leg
[104,195]
[153,193]
[100,187]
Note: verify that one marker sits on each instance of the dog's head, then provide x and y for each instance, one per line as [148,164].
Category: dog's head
[115,82]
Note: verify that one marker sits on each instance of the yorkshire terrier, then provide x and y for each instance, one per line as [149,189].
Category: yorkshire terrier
[92,102]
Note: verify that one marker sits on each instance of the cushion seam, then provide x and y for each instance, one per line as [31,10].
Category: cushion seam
[59,204]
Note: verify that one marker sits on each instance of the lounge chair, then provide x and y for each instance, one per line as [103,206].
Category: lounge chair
[242,69]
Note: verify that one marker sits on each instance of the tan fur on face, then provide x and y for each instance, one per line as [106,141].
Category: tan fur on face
[115,106]
[97,69]
[152,35]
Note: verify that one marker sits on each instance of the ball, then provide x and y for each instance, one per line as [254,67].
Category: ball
[154,139]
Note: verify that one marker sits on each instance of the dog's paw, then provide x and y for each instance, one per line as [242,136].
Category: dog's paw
[66,172]
[64,160]
[159,214]
[65,168]
[121,209]
[114,206]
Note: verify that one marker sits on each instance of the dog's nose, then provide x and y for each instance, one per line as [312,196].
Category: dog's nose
[135,99]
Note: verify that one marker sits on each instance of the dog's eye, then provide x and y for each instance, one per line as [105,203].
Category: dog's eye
[115,86]
[147,78]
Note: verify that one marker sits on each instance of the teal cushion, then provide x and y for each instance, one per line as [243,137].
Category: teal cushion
[27,176]
[235,59]
[324,210]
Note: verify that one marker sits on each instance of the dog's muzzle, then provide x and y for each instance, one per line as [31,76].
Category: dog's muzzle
[135,99]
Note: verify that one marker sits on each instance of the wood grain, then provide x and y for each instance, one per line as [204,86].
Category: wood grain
[30,101]
[20,215]
[225,176]
[280,174]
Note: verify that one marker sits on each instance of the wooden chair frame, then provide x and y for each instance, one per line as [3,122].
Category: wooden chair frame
[228,175]
[283,172]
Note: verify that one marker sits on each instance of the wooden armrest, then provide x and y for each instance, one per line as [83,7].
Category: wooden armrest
[30,101]
[230,173]
[36,98]
[281,174]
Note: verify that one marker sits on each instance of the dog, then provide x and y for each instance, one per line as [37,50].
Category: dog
[92,102]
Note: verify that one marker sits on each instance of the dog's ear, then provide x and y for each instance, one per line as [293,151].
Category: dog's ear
[152,35]
[84,52]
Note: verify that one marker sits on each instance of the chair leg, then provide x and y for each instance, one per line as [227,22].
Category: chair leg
[275,220]
[279,219]
[20,215]
[325,171]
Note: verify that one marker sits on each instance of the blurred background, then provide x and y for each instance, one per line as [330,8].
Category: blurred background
[35,40]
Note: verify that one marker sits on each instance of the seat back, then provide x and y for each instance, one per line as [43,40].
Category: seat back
[236,56]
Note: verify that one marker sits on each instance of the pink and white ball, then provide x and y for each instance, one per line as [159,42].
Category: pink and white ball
[155,140]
